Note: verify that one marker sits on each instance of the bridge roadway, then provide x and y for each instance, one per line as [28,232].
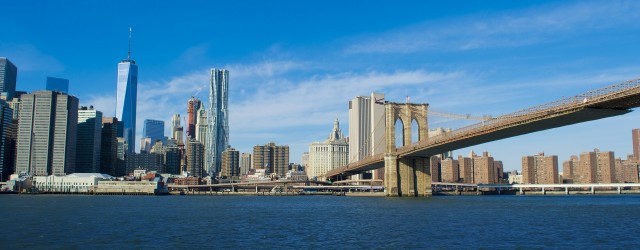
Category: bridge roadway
[610,101]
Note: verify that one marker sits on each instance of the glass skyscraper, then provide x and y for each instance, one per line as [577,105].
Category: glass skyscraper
[127,95]
[58,84]
[153,129]
[218,119]
[8,77]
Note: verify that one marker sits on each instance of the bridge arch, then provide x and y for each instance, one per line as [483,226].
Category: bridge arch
[406,113]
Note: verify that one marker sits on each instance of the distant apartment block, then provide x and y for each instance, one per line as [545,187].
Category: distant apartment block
[540,169]
[245,163]
[230,163]
[271,157]
[450,170]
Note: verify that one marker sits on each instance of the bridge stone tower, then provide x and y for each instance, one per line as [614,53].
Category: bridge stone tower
[409,175]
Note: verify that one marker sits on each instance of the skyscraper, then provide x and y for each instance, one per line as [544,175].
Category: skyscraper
[245,163]
[109,146]
[366,128]
[127,95]
[89,140]
[195,156]
[177,131]
[47,133]
[328,155]
[6,141]
[153,129]
[218,118]
[8,77]
[58,84]
[230,163]
[192,109]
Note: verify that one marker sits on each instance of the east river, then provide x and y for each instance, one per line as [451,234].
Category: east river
[304,222]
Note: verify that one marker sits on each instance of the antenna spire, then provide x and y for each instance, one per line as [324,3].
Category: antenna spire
[129,53]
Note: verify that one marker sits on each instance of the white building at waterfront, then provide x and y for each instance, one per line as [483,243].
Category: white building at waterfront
[330,154]
[73,183]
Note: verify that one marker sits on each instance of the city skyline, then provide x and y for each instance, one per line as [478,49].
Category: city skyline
[490,58]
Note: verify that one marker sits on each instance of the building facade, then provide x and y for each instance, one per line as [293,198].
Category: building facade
[366,129]
[271,157]
[218,119]
[109,146]
[192,110]
[328,155]
[149,162]
[8,78]
[47,134]
[595,167]
[450,170]
[245,163]
[7,141]
[635,139]
[230,163]
[154,129]
[540,169]
[89,143]
[195,154]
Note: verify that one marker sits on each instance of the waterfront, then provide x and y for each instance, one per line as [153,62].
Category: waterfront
[68,221]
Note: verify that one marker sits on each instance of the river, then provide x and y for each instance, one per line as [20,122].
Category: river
[303,222]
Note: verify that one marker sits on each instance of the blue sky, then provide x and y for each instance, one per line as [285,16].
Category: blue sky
[294,65]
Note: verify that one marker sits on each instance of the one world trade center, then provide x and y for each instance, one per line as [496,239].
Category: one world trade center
[127,95]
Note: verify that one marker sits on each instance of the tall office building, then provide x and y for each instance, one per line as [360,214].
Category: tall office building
[109,146]
[8,78]
[58,84]
[273,158]
[366,128]
[540,169]
[89,143]
[635,139]
[245,163]
[154,129]
[192,109]
[7,131]
[201,126]
[230,163]
[172,157]
[328,155]
[177,132]
[195,158]
[127,98]
[47,133]
[218,118]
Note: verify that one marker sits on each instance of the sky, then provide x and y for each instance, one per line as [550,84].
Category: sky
[294,65]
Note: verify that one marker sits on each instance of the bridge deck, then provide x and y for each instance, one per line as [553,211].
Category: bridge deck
[596,104]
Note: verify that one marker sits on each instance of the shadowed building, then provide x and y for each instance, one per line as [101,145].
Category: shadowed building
[89,140]
[109,146]
[8,78]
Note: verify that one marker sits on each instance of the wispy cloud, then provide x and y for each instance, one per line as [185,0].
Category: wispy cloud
[511,29]
[30,58]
